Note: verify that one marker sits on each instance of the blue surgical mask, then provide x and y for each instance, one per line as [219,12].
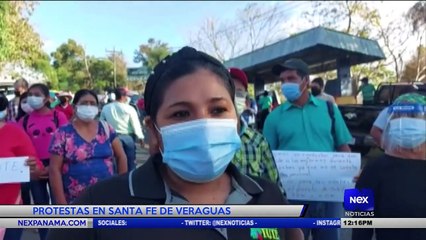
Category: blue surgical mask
[3,114]
[291,91]
[407,132]
[35,102]
[199,151]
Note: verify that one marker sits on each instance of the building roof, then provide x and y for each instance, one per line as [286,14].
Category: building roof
[318,47]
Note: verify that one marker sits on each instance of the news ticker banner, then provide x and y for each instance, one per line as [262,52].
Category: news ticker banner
[162,211]
[165,223]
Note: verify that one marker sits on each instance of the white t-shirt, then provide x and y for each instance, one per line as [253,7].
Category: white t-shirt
[382,119]
[326,97]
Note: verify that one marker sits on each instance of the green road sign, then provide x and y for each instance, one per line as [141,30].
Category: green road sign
[137,74]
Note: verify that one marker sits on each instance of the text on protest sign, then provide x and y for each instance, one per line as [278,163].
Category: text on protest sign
[317,176]
[14,170]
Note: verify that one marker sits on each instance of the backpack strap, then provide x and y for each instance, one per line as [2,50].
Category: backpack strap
[106,128]
[330,108]
[55,119]
[25,122]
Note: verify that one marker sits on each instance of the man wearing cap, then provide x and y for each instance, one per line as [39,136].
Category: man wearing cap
[64,105]
[305,123]
[124,119]
[255,157]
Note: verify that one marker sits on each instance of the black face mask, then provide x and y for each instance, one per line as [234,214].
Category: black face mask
[315,91]
[63,100]
[17,93]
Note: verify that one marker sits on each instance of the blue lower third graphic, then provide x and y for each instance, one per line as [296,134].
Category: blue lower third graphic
[216,223]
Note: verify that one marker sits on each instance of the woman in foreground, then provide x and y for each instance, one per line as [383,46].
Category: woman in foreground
[190,108]
[398,178]
[82,151]
[15,143]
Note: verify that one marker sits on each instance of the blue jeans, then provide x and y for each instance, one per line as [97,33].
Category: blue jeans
[322,210]
[128,143]
[13,234]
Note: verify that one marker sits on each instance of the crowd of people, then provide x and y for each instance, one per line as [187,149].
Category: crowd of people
[209,143]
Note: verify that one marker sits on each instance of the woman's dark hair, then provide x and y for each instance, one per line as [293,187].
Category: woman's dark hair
[21,112]
[184,62]
[83,92]
[3,102]
[44,89]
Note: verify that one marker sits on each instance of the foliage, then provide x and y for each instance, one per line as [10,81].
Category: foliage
[18,40]
[151,53]
[76,70]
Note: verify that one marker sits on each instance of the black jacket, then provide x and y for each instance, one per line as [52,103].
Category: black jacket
[144,186]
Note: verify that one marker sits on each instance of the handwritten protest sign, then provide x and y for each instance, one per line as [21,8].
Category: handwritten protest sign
[13,170]
[317,176]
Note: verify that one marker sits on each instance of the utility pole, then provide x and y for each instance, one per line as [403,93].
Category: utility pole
[114,56]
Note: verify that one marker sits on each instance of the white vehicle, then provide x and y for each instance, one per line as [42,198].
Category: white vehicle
[8,90]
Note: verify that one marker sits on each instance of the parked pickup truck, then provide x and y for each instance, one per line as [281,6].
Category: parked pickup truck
[360,118]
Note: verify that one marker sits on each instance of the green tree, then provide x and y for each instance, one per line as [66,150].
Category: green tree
[101,71]
[151,53]
[68,60]
[43,65]
[18,40]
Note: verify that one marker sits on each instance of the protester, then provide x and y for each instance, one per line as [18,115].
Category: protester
[124,119]
[381,120]
[40,125]
[81,152]
[306,123]
[142,115]
[398,177]
[19,145]
[255,157]
[249,114]
[368,92]
[21,86]
[265,103]
[64,105]
[317,89]
[189,100]
[23,110]
[23,107]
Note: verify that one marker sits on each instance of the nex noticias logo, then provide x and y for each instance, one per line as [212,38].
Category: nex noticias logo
[359,200]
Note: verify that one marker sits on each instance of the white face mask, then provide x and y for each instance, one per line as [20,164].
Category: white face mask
[26,108]
[240,104]
[3,115]
[35,102]
[87,113]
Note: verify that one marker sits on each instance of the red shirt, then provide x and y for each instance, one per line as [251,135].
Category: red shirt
[68,110]
[18,144]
